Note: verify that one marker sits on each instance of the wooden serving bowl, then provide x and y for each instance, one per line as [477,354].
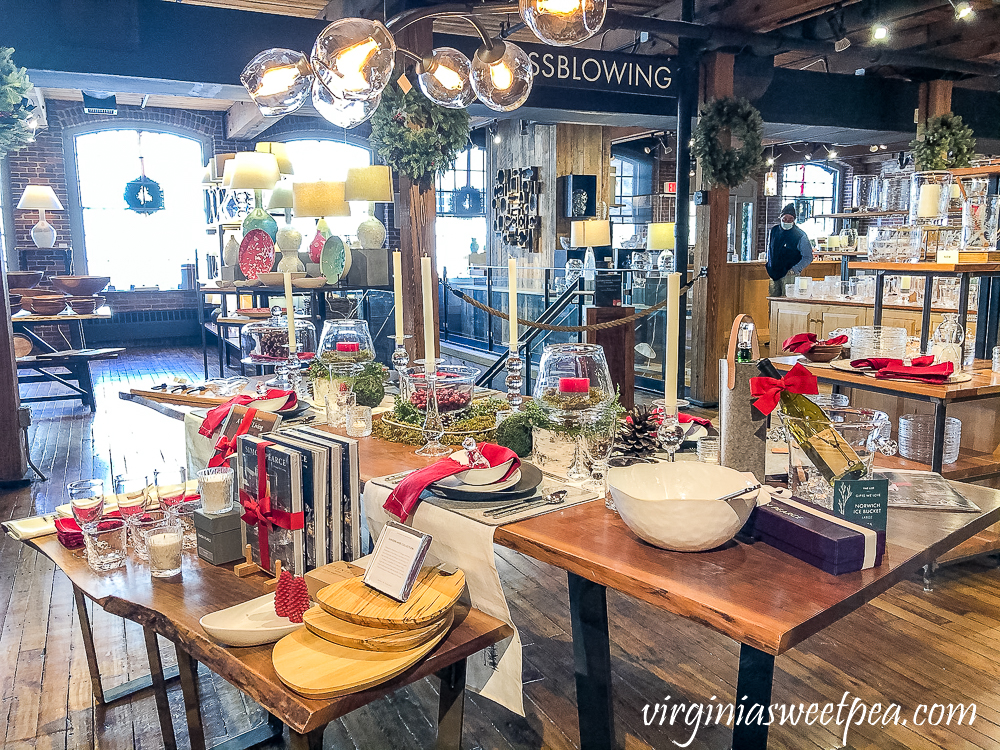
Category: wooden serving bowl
[83,305]
[23,279]
[80,285]
[823,353]
[15,303]
[42,306]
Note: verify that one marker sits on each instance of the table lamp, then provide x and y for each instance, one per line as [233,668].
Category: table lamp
[288,239]
[319,199]
[255,171]
[660,236]
[280,152]
[42,198]
[590,233]
[374,185]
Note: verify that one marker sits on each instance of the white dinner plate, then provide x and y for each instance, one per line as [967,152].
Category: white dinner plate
[456,483]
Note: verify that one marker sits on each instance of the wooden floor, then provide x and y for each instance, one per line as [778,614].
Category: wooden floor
[906,647]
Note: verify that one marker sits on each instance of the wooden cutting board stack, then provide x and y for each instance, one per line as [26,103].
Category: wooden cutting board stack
[358,637]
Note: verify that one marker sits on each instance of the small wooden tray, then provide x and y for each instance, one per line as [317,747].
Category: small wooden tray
[434,594]
[317,668]
[335,630]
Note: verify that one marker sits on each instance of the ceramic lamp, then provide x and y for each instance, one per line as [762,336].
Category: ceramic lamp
[590,233]
[319,199]
[280,152]
[374,185]
[41,198]
[288,239]
[253,170]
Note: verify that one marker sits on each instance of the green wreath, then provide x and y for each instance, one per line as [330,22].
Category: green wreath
[947,144]
[416,137]
[728,166]
[15,108]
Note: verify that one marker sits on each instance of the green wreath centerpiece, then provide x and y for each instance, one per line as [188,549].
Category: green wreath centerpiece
[947,144]
[416,137]
[15,108]
[733,165]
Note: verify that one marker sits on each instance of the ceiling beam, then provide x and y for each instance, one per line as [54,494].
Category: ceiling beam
[244,121]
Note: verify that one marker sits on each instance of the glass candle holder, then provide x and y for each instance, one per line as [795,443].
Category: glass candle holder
[708,450]
[996,359]
[140,528]
[345,342]
[165,544]
[106,544]
[930,194]
[216,489]
[86,499]
[359,421]
[337,404]
[184,515]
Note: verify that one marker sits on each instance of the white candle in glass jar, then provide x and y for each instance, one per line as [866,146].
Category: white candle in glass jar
[164,549]
[216,492]
[928,205]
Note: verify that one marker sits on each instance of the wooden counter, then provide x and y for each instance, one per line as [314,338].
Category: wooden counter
[754,287]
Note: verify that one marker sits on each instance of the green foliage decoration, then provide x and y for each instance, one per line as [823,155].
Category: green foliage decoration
[416,137]
[369,386]
[947,144]
[15,108]
[728,166]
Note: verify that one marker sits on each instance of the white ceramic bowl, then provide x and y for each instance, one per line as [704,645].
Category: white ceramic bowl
[673,505]
[480,477]
[252,623]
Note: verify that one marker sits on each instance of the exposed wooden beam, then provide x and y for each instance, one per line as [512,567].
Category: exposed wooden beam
[244,121]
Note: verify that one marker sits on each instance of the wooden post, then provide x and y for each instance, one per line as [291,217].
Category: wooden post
[417,212]
[715,298]
[13,460]
[934,100]
[619,348]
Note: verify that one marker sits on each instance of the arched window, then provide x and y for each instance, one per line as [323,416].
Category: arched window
[134,249]
[815,190]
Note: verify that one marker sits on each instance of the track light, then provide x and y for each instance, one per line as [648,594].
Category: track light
[880,32]
[963,10]
[831,153]
[563,22]
[770,161]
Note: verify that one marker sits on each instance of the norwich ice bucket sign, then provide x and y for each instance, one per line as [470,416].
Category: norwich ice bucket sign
[601,71]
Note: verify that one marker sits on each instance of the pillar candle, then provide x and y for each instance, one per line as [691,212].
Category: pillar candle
[397,294]
[673,327]
[428,295]
[512,301]
[292,349]
[904,282]
[929,202]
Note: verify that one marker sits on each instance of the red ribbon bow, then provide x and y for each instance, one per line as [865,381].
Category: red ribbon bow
[257,511]
[768,390]
[216,416]
[226,446]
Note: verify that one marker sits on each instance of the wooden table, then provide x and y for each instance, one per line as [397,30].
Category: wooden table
[76,361]
[24,321]
[173,609]
[984,384]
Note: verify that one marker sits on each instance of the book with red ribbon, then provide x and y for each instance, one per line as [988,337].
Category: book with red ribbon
[270,493]
[242,420]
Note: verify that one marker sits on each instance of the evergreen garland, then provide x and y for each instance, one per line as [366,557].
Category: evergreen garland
[15,108]
[416,137]
[728,166]
[947,144]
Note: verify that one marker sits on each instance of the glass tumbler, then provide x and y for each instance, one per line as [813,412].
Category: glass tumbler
[141,526]
[86,499]
[164,544]
[359,421]
[183,513]
[216,489]
[106,544]
[708,450]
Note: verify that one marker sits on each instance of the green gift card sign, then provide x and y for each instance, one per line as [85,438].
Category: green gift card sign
[862,501]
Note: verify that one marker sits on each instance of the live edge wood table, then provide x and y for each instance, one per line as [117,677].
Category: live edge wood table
[172,609]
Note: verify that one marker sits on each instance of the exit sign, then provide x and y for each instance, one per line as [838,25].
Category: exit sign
[670,188]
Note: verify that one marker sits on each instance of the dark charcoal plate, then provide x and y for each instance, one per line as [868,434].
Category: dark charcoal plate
[531,477]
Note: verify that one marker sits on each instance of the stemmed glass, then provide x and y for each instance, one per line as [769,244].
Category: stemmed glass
[598,442]
[670,433]
[171,489]
[86,499]
[433,427]
[130,492]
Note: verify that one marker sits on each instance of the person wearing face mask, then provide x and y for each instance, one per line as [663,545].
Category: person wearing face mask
[788,252]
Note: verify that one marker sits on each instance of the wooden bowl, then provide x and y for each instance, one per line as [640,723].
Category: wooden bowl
[23,279]
[42,306]
[82,305]
[309,283]
[823,353]
[80,285]
[15,303]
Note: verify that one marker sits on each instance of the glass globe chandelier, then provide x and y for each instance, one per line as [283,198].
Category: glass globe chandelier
[501,75]
[445,78]
[354,58]
[278,81]
[342,112]
[563,22]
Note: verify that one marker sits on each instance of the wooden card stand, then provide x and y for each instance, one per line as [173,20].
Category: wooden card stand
[249,567]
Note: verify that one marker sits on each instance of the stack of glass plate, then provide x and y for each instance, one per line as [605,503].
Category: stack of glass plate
[916,438]
[878,341]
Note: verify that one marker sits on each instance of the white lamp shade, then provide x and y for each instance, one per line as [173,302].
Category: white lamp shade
[227,172]
[590,233]
[39,197]
[660,236]
[282,196]
[254,170]
[208,178]
[373,184]
[280,152]
[319,199]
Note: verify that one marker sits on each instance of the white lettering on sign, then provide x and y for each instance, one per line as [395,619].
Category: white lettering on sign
[611,75]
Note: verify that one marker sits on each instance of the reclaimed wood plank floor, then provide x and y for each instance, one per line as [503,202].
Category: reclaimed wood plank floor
[907,647]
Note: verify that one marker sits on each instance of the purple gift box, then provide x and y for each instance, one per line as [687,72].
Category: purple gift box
[817,536]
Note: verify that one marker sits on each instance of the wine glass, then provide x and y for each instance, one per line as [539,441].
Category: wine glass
[171,485]
[670,433]
[598,442]
[86,499]
[131,495]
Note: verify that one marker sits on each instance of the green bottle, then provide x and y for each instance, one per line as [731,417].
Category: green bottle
[830,453]
[744,346]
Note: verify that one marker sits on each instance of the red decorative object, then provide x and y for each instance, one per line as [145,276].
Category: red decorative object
[574,385]
[316,247]
[256,253]
[768,390]
[291,599]
[348,346]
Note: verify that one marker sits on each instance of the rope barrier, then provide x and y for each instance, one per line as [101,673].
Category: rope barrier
[569,329]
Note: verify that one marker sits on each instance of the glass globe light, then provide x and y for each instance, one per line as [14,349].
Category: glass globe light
[342,112]
[446,78]
[502,76]
[278,81]
[354,57]
[563,22]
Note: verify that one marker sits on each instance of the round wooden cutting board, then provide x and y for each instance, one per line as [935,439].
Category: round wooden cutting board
[317,668]
[348,634]
[433,595]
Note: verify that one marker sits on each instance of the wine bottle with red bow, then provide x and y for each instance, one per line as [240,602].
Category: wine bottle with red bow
[812,429]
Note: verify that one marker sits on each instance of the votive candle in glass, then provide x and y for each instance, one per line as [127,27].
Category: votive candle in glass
[164,544]
[215,486]
[359,421]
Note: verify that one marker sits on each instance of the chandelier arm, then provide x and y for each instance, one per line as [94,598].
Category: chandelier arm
[466,12]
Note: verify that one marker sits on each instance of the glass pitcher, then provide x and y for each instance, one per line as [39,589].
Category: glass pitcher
[946,344]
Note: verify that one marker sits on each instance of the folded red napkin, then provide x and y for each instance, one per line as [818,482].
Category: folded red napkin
[218,415]
[922,374]
[70,535]
[403,500]
[682,418]
[879,363]
[802,343]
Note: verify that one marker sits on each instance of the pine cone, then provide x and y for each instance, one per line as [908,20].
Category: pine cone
[299,599]
[637,434]
[283,594]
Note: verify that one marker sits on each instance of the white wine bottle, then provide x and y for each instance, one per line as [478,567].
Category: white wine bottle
[812,429]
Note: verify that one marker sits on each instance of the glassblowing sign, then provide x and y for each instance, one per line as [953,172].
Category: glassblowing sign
[601,71]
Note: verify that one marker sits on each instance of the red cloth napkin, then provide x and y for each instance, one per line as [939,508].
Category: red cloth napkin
[682,418]
[801,343]
[218,415]
[922,374]
[403,500]
[880,363]
[70,535]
